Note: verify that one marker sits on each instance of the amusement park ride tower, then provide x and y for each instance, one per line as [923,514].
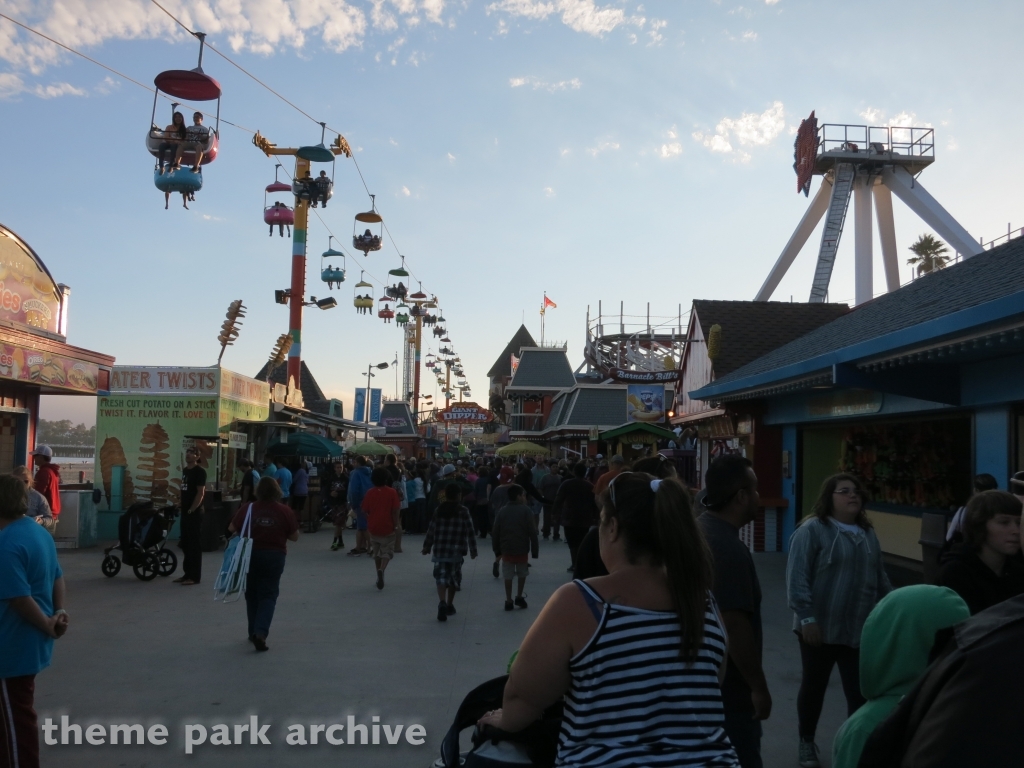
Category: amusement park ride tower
[304,156]
[869,164]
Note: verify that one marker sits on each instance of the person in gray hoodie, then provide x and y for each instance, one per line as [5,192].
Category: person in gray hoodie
[514,537]
[834,578]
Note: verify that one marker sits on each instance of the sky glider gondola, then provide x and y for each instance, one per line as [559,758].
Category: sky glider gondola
[278,213]
[362,302]
[366,240]
[181,149]
[320,188]
[331,274]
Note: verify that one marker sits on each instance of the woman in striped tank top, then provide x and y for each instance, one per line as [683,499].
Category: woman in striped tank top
[638,654]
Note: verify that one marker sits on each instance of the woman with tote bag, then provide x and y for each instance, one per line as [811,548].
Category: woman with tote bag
[271,526]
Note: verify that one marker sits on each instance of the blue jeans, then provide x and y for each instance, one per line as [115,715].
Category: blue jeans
[262,588]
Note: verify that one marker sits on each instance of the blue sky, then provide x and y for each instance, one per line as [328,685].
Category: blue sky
[595,150]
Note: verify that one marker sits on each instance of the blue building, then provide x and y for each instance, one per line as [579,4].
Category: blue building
[916,392]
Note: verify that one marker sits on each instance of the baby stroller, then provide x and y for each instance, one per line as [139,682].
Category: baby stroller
[533,747]
[143,531]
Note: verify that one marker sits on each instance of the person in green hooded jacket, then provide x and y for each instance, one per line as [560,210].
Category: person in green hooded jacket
[895,643]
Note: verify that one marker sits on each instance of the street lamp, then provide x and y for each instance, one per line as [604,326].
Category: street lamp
[366,403]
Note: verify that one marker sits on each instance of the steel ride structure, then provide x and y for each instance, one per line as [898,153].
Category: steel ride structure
[869,164]
[632,342]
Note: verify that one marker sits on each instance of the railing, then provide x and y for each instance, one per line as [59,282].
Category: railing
[1010,234]
[876,140]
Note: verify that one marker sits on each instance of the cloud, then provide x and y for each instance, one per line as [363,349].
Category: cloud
[602,146]
[770,2]
[405,192]
[579,15]
[549,191]
[748,130]
[259,26]
[537,84]
[748,37]
[673,149]
[12,85]
[109,85]
[655,31]
[451,158]
[903,119]
[952,145]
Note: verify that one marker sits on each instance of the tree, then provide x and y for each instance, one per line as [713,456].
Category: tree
[63,432]
[930,255]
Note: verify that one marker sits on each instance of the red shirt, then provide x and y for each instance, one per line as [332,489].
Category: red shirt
[379,504]
[271,525]
[47,482]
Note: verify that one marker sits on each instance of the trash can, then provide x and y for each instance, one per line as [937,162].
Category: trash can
[932,541]
[216,517]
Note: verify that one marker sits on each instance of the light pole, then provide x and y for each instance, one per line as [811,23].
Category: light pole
[366,400]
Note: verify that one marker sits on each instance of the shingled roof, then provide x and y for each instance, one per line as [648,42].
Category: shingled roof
[503,365]
[311,391]
[987,277]
[752,328]
[543,368]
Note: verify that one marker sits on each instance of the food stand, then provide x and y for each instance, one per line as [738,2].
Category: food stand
[148,418]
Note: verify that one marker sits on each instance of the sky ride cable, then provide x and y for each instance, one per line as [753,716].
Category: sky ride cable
[114,71]
[294,107]
[150,89]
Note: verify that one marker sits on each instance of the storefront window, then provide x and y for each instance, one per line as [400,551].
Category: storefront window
[918,463]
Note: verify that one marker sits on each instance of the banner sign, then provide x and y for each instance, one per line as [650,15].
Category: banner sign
[394,423]
[237,440]
[47,369]
[465,412]
[645,377]
[645,403]
[360,405]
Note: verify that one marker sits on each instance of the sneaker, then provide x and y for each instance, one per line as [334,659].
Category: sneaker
[442,611]
[520,602]
[260,643]
[380,579]
[809,755]
[335,546]
[450,609]
[509,605]
[494,570]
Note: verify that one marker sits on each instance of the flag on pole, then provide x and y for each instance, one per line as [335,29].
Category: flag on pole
[547,303]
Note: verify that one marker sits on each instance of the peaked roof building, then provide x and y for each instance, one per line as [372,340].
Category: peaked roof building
[502,367]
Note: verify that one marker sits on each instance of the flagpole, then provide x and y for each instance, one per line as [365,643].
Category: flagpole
[543,306]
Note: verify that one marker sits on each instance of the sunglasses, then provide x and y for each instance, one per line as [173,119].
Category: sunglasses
[847,492]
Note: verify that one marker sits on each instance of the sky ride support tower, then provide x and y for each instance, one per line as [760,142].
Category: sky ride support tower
[869,164]
[304,156]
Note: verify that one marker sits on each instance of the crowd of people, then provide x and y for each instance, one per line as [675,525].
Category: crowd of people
[654,650]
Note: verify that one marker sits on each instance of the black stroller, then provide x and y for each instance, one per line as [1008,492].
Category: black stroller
[533,747]
[143,531]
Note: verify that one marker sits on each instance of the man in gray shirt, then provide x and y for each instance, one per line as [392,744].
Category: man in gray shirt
[38,506]
[514,538]
[731,501]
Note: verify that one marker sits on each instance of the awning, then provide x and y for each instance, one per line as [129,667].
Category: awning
[306,444]
[630,429]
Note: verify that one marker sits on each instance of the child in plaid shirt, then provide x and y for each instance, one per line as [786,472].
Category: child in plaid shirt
[450,531]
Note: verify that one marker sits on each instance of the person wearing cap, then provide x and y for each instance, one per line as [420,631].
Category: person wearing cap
[47,479]
[616,465]
[445,478]
[730,501]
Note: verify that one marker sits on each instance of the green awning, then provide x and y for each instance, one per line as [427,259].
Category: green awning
[639,426]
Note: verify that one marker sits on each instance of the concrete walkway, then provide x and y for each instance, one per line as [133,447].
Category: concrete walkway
[158,653]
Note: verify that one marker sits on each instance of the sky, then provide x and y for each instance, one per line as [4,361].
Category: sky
[599,151]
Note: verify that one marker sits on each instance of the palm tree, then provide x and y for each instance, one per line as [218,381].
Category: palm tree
[930,254]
